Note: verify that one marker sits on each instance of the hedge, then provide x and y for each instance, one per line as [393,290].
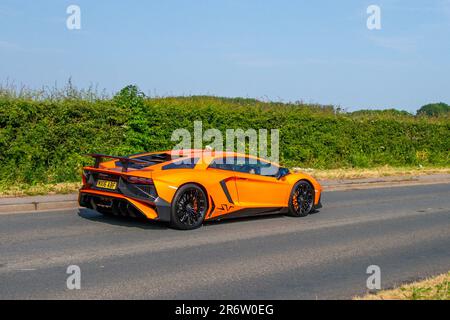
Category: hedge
[43,141]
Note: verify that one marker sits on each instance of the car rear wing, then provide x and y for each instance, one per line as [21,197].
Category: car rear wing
[124,160]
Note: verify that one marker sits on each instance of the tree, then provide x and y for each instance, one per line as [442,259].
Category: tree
[434,109]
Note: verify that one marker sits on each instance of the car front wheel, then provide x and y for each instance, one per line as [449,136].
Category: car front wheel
[301,201]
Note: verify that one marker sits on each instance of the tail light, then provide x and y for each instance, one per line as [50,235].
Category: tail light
[139,180]
[142,187]
[85,177]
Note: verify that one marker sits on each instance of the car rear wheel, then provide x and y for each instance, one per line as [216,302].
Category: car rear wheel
[301,201]
[189,207]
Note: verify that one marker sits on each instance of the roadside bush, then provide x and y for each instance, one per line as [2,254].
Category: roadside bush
[43,141]
[434,109]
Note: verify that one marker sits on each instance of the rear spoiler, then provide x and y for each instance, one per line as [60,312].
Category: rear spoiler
[124,160]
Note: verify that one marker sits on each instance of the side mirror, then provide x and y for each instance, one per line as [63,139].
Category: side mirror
[282,172]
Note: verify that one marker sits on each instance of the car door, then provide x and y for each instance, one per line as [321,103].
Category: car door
[258,186]
[225,175]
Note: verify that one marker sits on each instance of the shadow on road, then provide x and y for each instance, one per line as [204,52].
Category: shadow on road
[226,221]
[122,221]
[255,218]
[157,225]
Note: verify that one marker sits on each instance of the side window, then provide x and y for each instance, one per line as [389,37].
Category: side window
[222,163]
[244,165]
[267,169]
[259,167]
[232,164]
[187,163]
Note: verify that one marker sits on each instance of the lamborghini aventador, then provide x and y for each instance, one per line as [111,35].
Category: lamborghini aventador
[195,186]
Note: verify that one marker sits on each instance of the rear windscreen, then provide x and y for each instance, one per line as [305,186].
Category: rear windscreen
[150,159]
[156,157]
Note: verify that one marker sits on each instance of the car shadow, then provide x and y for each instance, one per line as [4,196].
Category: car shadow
[122,221]
[158,225]
[254,218]
[225,221]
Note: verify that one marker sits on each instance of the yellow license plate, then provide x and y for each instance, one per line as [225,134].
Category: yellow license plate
[106,184]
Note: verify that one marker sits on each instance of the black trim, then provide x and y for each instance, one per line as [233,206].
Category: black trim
[142,192]
[163,209]
[213,206]
[225,190]
[125,161]
[251,212]
[110,205]
[161,206]
[319,204]
[137,191]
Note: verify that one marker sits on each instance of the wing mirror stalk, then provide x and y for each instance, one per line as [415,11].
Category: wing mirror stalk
[282,172]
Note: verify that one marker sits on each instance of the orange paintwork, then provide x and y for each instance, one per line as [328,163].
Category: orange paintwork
[246,190]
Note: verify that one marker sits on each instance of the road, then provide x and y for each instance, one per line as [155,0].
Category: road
[403,230]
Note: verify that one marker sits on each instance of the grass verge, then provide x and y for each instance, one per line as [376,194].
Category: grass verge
[39,189]
[331,174]
[436,288]
[385,171]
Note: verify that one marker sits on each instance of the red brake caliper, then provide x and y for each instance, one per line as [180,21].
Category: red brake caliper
[195,207]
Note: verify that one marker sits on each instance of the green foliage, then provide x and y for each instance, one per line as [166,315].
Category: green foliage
[434,109]
[439,291]
[43,141]
[381,113]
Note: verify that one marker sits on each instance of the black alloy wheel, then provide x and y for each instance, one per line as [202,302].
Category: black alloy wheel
[301,201]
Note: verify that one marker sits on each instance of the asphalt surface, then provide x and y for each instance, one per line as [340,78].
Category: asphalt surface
[403,230]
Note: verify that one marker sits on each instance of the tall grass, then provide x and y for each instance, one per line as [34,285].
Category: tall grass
[12,90]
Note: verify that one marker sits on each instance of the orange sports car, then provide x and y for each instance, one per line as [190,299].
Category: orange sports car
[195,186]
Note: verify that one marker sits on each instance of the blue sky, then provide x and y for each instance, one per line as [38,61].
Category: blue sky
[315,51]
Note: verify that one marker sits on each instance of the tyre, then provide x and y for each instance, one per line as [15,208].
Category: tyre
[189,207]
[301,201]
